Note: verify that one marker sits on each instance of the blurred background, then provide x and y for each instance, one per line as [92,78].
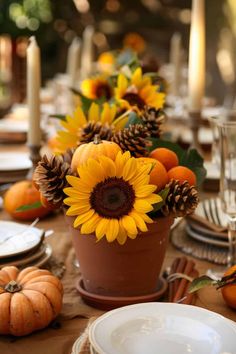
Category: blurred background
[55,23]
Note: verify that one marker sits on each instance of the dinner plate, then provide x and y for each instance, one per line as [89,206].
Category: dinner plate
[18,238]
[26,258]
[204,238]
[207,232]
[164,328]
[14,161]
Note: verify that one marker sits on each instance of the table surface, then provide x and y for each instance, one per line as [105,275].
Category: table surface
[75,314]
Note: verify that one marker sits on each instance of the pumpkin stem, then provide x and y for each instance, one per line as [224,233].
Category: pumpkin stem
[13,287]
[97,140]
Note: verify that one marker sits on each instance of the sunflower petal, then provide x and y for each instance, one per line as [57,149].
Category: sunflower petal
[112,230]
[93,113]
[122,235]
[153,198]
[83,218]
[101,228]
[90,226]
[139,221]
[130,169]
[142,206]
[145,190]
[108,165]
[129,225]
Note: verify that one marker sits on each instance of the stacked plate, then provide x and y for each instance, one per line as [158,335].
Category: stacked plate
[165,328]
[22,245]
[14,166]
[208,224]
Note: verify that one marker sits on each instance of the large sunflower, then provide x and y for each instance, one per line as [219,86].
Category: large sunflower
[114,201]
[97,87]
[74,127]
[138,91]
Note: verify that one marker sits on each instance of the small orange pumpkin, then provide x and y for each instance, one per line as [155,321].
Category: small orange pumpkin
[29,299]
[24,193]
[93,150]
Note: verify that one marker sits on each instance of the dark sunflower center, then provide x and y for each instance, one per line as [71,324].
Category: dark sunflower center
[134,100]
[112,198]
[103,90]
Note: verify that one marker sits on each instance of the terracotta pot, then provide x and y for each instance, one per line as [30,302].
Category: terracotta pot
[132,269]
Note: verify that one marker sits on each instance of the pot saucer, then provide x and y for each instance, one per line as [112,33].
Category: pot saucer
[111,302]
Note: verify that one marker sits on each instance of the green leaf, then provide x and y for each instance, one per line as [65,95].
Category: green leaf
[133,119]
[58,116]
[26,207]
[127,57]
[193,160]
[163,193]
[200,283]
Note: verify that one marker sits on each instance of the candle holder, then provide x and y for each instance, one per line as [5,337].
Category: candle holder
[195,123]
[34,152]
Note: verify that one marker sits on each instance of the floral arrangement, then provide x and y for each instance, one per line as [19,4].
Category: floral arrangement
[112,172]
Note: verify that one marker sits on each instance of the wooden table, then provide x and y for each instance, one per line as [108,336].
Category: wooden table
[75,313]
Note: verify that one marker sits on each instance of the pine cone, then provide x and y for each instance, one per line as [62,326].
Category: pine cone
[67,156]
[134,139]
[153,119]
[182,199]
[88,132]
[50,177]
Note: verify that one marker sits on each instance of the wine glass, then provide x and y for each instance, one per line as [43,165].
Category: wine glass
[227,194]
[227,138]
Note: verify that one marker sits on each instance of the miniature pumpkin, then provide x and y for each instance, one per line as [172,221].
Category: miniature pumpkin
[29,299]
[93,150]
[24,193]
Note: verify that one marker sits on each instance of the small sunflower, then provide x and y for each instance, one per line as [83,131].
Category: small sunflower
[74,128]
[97,87]
[138,92]
[114,201]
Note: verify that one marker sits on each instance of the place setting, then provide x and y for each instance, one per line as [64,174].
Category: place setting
[22,245]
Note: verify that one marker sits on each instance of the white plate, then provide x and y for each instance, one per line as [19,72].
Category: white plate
[14,161]
[18,238]
[13,126]
[203,238]
[162,328]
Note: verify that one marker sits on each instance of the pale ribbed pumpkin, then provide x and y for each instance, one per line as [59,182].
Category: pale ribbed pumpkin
[93,150]
[29,299]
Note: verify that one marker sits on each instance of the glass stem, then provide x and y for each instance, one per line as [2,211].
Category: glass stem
[232,241]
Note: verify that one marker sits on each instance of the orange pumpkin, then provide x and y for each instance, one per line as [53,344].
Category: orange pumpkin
[93,150]
[24,193]
[29,299]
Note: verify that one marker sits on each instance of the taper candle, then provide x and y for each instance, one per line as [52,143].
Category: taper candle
[196,73]
[73,60]
[87,51]
[175,60]
[33,92]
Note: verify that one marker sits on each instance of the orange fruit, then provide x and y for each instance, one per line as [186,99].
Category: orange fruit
[158,175]
[23,193]
[229,291]
[182,173]
[166,156]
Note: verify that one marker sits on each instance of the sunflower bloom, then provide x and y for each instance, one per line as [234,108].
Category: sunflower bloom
[138,92]
[97,87]
[74,126]
[114,201]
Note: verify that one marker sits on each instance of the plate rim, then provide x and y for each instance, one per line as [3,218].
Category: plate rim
[92,328]
[42,236]
[202,238]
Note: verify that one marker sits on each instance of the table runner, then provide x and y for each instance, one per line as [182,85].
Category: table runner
[59,337]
